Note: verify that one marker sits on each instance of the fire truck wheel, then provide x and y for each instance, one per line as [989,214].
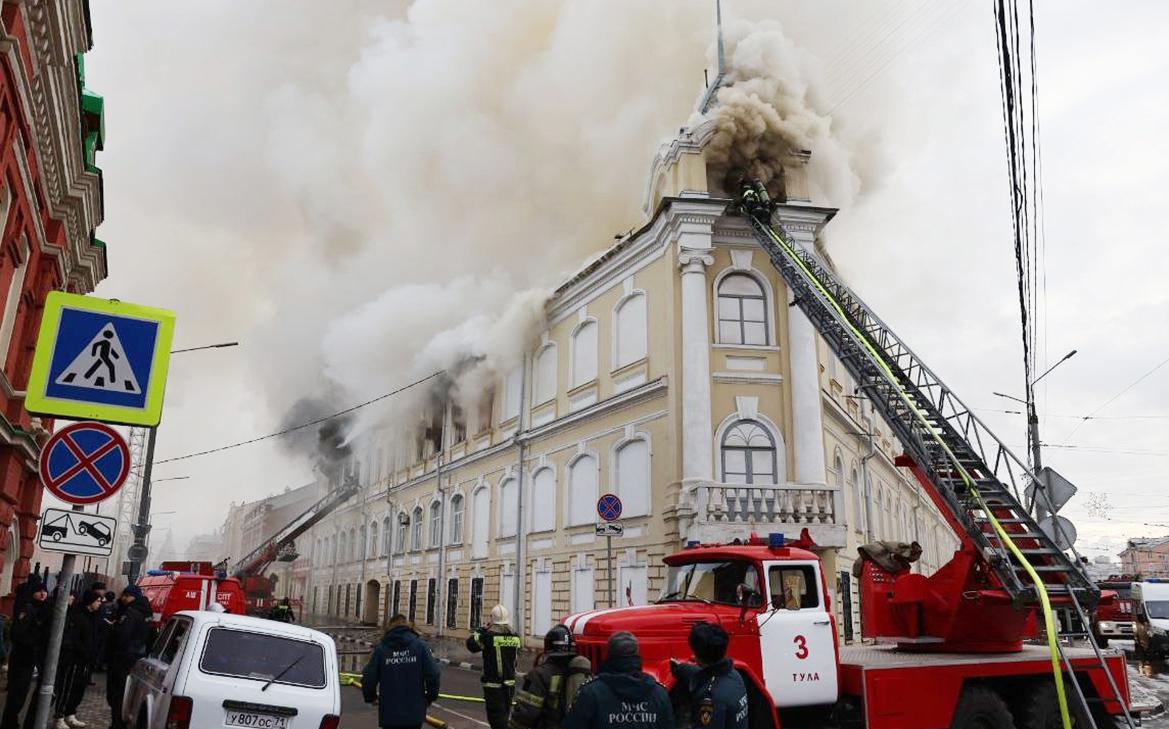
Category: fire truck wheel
[1041,710]
[982,708]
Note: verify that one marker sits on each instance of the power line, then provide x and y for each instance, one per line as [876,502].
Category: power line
[1098,449]
[1112,399]
[1077,417]
[302,426]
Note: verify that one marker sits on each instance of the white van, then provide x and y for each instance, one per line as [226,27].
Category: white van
[221,670]
[1150,602]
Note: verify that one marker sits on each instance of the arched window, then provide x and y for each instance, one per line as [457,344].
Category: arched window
[545,374]
[351,555]
[631,477]
[507,508]
[582,490]
[630,331]
[480,520]
[457,508]
[543,500]
[858,511]
[387,532]
[416,528]
[513,385]
[372,551]
[341,548]
[888,517]
[436,524]
[403,525]
[748,454]
[742,311]
[584,353]
[361,544]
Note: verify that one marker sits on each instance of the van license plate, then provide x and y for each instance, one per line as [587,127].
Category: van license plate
[260,721]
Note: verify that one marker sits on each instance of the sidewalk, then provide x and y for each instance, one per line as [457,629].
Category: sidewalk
[93,709]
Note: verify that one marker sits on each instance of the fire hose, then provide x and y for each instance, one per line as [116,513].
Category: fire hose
[1040,588]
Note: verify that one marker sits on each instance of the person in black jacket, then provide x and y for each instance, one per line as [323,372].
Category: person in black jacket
[714,690]
[128,640]
[77,656]
[621,697]
[551,686]
[30,636]
[402,676]
[500,646]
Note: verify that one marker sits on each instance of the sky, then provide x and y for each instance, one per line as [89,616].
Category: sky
[359,191]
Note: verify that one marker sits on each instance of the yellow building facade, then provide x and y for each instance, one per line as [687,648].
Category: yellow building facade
[672,371]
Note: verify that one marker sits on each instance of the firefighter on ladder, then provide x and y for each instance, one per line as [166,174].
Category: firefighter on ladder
[500,647]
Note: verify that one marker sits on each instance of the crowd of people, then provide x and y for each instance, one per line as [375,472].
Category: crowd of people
[103,632]
[560,691]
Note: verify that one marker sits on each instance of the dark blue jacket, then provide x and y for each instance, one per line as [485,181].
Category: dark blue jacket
[621,697]
[716,693]
[403,676]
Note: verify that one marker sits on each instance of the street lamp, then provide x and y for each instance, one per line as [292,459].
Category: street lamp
[1033,428]
[137,552]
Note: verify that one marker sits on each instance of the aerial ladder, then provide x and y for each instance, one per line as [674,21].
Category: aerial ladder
[1008,567]
[281,546]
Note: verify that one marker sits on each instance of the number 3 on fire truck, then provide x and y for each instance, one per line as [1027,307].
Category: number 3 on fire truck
[801,647]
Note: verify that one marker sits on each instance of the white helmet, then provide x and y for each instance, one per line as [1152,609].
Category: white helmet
[500,616]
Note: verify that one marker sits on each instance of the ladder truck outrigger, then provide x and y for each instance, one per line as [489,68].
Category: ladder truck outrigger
[281,547]
[952,649]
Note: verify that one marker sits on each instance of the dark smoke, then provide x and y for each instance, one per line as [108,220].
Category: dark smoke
[325,441]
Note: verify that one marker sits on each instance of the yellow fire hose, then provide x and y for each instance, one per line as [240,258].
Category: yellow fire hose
[354,679]
[1041,589]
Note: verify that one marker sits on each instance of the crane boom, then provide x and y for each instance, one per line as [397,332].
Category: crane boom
[269,550]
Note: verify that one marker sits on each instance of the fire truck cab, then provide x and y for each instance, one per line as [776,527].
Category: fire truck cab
[772,598]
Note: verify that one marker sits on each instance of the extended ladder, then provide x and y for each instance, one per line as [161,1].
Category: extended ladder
[977,477]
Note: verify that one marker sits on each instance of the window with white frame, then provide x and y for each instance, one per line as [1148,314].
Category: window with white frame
[436,524]
[372,552]
[584,353]
[480,521]
[416,528]
[543,500]
[458,506]
[361,544]
[403,525]
[512,393]
[545,375]
[582,490]
[630,331]
[858,511]
[631,474]
[387,535]
[742,311]
[507,507]
[341,548]
[749,454]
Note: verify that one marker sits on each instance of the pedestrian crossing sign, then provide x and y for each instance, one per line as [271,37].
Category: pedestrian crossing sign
[99,359]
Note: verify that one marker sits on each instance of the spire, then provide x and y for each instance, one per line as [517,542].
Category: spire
[720,77]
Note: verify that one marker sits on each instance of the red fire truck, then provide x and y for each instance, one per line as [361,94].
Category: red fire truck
[1113,617]
[952,648]
[189,586]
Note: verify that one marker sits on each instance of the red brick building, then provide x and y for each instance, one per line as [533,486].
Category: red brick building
[51,127]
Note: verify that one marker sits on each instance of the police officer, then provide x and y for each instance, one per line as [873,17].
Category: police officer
[500,646]
[550,688]
[129,639]
[30,637]
[621,697]
[716,694]
[402,676]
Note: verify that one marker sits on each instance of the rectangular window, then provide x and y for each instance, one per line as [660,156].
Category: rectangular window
[431,594]
[413,614]
[541,602]
[793,587]
[263,657]
[347,599]
[452,601]
[397,598]
[357,604]
[583,591]
[476,619]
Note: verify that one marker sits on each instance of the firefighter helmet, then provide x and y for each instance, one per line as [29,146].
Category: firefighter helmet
[559,640]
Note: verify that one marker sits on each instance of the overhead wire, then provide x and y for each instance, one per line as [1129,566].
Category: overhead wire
[1114,398]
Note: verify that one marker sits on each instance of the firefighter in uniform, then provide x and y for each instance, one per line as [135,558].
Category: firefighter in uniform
[500,647]
[402,676]
[550,688]
[621,696]
[717,696]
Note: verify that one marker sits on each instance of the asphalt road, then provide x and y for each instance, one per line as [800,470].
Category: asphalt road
[356,714]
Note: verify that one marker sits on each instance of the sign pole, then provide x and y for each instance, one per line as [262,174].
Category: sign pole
[137,551]
[53,650]
[609,552]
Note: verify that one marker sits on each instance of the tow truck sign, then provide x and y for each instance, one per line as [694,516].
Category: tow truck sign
[75,532]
